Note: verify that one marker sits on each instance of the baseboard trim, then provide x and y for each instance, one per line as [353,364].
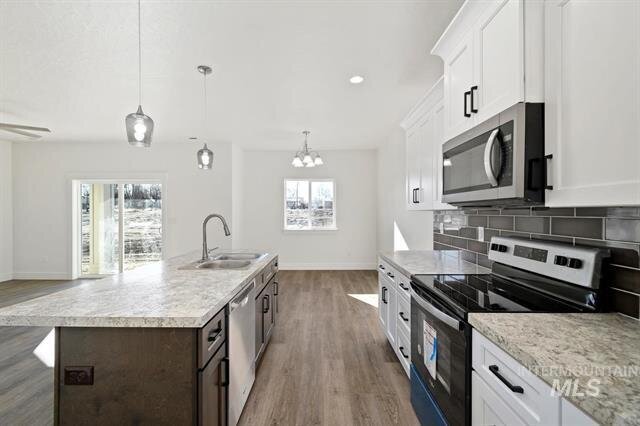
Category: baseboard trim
[41,276]
[326,266]
[6,277]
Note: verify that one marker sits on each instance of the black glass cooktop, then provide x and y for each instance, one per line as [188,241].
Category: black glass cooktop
[511,291]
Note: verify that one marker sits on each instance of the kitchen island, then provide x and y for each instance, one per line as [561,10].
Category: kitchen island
[146,346]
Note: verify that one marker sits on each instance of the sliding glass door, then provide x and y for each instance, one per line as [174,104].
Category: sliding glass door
[120,226]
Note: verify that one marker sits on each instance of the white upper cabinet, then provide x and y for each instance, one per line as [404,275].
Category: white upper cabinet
[486,60]
[592,109]
[424,141]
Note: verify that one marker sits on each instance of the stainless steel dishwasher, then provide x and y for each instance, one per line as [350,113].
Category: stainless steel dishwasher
[242,326]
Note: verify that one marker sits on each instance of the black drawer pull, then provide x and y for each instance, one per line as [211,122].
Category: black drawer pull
[405,319]
[402,286]
[401,348]
[381,267]
[384,293]
[495,370]
[390,275]
[214,334]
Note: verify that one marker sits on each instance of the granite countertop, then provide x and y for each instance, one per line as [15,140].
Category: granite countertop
[432,262]
[156,295]
[605,347]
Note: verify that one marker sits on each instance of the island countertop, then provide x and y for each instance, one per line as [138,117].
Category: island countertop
[156,295]
[579,347]
[431,262]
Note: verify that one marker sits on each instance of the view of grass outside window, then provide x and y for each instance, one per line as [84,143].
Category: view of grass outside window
[104,251]
[309,205]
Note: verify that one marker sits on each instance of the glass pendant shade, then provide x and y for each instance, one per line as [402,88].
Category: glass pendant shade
[307,160]
[318,161]
[139,128]
[297,162]
[306,157]
[205,158]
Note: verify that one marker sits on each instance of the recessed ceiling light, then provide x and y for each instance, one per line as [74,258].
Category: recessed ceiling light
[356,79]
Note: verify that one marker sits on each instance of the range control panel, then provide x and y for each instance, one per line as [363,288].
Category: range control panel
[574,264]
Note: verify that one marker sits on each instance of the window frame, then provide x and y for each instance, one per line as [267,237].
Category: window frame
[309,182]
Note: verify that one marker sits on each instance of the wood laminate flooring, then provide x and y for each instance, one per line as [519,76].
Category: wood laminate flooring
[328,362]
[26,384]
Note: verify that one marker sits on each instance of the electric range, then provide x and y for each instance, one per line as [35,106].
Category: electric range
[526,276]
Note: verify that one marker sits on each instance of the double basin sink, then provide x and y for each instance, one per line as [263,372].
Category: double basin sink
[227,261]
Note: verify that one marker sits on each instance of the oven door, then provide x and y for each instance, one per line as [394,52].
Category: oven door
[440,354]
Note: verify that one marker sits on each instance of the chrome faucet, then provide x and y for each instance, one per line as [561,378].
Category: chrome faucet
[205,250]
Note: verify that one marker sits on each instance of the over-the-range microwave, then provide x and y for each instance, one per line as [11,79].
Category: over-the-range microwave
[498,162]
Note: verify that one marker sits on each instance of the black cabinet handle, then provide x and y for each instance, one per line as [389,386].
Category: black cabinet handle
[416,195]
[402,286]
[384,293]
[546,176]
[401,348]
[214,334]
[275,288]
[224,372]
[381,267]
[390,275]
[265,298]
[413,195]
[466,95]
[495,370]
[405,319]
[473,109]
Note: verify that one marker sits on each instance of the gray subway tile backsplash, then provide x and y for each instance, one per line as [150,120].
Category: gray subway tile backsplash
[617,228]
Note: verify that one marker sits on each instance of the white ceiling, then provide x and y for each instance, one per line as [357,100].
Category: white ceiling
[279,67]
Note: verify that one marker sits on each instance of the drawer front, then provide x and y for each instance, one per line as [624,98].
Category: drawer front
[404,285]
[388,271]
[535,403]
[269,271]
[487,408]
[403,350]
[211,337]
[404,313]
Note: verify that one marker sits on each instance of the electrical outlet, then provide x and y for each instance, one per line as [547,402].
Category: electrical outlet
[76,376]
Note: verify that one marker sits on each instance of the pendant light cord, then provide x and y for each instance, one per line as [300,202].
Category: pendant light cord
[204,118]
[139,57]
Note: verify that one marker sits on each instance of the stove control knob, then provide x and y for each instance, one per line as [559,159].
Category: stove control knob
[575,263]
[502,248]
[561,260]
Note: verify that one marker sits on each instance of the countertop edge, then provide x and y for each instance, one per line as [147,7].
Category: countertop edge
[385,255]
[612,417]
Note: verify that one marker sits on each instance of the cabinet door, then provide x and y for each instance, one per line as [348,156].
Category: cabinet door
[458,79]
[499,62]
[592,107]
[436,147]
[259,325]
[427,134]
[413,168]
[212,395]
[392,314]
[267,313]
[383,301]
[487,409]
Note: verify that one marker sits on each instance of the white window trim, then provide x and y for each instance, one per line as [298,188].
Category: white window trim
[312,230]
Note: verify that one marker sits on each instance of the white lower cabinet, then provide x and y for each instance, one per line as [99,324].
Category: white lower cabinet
[504,392]
[394,311]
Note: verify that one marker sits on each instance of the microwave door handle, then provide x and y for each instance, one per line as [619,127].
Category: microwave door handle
[448,320]
[488,149]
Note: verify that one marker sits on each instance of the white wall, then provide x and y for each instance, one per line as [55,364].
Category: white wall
[42,196]
[237,195]
[6,212]
[398,228]
[352,246]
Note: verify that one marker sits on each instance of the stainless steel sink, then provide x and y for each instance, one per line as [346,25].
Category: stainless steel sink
[223,264]
[238,256]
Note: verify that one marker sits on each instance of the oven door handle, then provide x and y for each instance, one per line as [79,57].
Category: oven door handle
[488,150]
[448,320]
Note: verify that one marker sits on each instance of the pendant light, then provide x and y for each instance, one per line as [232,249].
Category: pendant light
[306,157]
[139,125]
[205,155]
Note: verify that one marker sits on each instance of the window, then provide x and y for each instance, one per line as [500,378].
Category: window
[309,205]
[120,226]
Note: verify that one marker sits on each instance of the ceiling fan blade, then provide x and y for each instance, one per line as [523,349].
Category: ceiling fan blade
[20,132]
[7,126]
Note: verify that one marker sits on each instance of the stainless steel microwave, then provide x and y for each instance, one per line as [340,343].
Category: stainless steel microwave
[498,162]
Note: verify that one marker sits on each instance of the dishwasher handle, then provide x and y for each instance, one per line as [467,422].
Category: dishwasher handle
[243,298]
